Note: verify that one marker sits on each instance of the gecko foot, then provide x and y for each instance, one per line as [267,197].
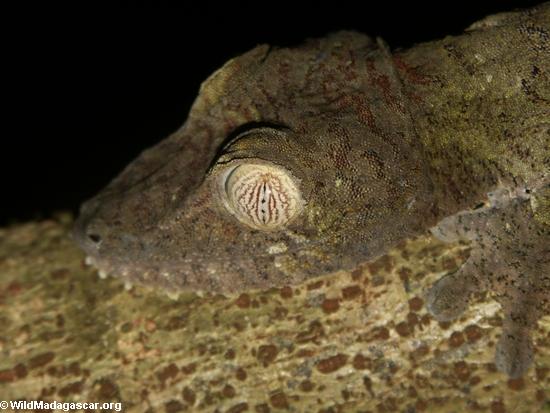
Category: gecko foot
[509,258]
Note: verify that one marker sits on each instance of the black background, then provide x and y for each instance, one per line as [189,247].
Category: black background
[85,90]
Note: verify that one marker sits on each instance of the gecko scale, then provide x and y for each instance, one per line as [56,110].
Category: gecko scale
[295,162]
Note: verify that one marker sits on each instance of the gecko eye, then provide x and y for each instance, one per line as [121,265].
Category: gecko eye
[262,196]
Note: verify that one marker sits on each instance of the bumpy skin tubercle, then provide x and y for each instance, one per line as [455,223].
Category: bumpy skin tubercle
[297,162]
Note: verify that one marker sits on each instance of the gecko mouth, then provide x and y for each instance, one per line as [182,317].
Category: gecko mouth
[217,276]
[171,280]
[131,275]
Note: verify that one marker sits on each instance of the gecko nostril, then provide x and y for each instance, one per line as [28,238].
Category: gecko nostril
[95,238]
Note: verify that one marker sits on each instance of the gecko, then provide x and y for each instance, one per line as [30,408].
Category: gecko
[299,161]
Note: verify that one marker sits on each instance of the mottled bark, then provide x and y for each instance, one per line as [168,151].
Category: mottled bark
[351,341]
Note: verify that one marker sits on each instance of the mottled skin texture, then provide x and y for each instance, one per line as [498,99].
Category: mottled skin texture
[382,146]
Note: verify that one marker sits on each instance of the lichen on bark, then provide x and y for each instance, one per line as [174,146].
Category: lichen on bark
[358,341]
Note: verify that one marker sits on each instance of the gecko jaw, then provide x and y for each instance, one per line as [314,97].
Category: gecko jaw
[140,276]
[105,270]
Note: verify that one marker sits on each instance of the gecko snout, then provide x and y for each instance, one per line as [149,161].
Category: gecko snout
[89,233]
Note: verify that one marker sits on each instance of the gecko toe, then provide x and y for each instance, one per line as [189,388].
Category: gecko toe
[450,295]
[447,298]
[514,353]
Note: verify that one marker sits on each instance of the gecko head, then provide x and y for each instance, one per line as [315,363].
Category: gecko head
[290,165]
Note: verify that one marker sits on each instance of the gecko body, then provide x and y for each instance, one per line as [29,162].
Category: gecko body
[296,162]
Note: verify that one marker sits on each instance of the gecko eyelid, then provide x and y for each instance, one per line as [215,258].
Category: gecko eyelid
[244,130]
[252,127]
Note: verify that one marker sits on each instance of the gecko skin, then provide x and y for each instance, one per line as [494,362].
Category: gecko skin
[295,162]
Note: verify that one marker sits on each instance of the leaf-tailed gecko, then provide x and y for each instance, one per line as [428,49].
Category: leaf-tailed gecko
[295,162]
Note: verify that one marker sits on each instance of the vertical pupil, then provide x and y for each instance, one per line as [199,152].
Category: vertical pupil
[261,196]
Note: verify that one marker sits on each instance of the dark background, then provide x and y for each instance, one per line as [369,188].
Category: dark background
[85,90]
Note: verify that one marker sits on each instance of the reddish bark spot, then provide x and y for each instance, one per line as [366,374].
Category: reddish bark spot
[420,352]
[352,291]
[240,374]
[383,263]
[305,353]
[286,292]
[306,386]
[262,408]
[74,369]
[444,325]
[403,329]
[498,407]
[173,406]
[332,364]
[516,384]
[412,319]
[456,339]
[315,285]
[47,391]
[380,333]
[238,408]
[474,381]
[404,274]
[416,303]
[14,288]
[72,388]
[449,264]
[243,301]
[7,375]
[189,368]
[473,333]
[106,389]
[461,370]
[168,372]
[188,395]
[20,371]
[228,391]
[279,400]
[330,305]
[40,360]
[267,354]
[361,362]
